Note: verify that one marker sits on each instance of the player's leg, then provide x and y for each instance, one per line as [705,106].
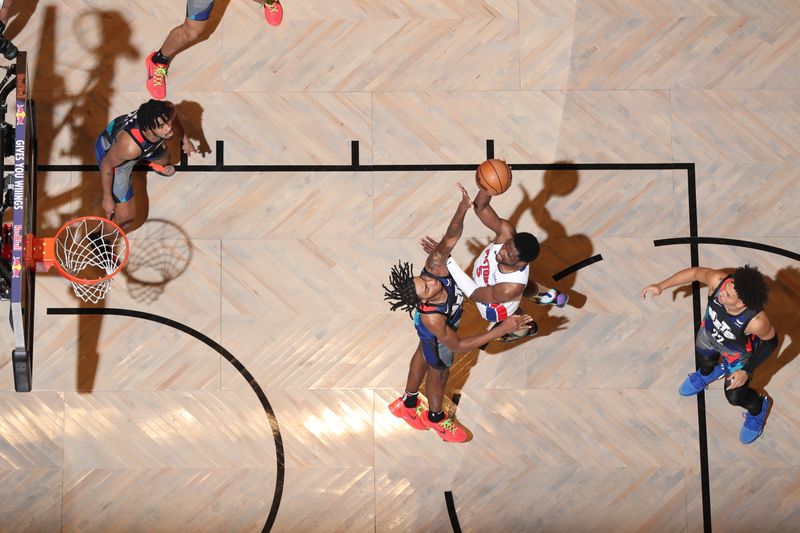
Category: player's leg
[179,38]
[411,404]
[7,48]
[122,191]
[756,405]
[709,369]
[446,426]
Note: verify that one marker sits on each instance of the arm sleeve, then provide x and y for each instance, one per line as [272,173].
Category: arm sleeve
[464,282]
[761,350]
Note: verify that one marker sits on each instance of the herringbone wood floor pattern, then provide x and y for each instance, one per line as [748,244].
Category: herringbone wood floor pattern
[134,426]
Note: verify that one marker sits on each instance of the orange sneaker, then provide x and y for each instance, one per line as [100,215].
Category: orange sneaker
[448,429]
[156,78]
[273,12]
[412,415]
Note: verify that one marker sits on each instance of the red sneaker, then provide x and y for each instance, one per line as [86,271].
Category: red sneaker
[448,429]
[273,12]
[156,78]
[412,415]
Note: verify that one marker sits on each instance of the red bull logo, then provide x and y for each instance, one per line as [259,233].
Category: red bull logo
[16,268]
[20,114]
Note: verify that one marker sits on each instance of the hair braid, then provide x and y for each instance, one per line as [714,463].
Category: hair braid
[403,293]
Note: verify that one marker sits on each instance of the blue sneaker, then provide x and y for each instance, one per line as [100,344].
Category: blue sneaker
[754,425]
[697,381]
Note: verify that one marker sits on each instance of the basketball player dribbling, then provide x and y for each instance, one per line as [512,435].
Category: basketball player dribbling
[181,37]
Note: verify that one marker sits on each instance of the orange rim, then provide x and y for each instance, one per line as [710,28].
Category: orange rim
[80,281]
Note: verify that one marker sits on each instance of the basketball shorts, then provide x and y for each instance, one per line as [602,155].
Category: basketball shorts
[437,354]
[199,9]
[706,346]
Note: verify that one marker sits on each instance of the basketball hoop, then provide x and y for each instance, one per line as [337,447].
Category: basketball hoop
[88,251]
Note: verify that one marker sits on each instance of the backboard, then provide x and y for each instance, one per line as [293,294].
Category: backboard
[21,182]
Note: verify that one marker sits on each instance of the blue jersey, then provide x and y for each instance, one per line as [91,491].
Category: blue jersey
[450,308]
[727,330]
[130,124]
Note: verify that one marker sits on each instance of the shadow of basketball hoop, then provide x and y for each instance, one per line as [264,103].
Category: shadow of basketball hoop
[160,252]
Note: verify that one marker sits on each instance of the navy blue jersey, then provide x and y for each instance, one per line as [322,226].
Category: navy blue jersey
[728,330]
[450,308]
[130,124]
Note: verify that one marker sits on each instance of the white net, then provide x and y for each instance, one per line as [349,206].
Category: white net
[91,250]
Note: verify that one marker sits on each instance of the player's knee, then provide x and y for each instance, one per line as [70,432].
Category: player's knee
[440,374]
[192,30]
[737,396]
[706,360]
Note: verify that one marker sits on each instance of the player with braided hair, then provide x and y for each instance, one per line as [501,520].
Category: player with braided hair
[736,328]
[403,293]
[434,302]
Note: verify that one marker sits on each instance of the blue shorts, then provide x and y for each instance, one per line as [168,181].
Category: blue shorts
[199,9]
[436,354]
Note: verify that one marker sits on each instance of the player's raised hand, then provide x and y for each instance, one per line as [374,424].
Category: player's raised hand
[655,290]
[466,202]
[428,244]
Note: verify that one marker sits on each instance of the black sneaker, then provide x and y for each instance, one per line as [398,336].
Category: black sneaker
[8,49]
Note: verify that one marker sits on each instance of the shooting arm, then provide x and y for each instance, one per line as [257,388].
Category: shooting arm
[437,258]
[502,228]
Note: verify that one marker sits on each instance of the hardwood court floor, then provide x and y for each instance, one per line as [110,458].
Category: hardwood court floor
[136,426]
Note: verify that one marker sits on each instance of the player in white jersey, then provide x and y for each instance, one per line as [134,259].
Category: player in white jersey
[501,271]
[488,272]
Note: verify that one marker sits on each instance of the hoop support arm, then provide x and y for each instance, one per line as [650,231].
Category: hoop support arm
[40,253]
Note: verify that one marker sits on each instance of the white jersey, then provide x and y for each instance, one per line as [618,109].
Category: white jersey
[487,272]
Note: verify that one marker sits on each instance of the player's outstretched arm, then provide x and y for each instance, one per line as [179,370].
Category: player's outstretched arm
[706,276]
[435,264]
[501,227]
[450,338]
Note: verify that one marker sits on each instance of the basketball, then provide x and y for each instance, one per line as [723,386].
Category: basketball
[493,176]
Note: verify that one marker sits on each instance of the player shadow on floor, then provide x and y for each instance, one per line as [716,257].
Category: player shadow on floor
[21,14]
[191,114]
[559,250]
[105,36]
[783,310]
